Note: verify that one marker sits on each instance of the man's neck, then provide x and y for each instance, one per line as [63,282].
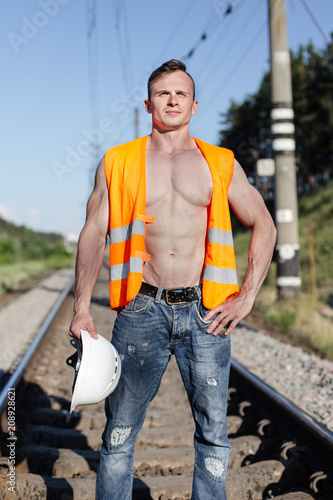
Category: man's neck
[171,141]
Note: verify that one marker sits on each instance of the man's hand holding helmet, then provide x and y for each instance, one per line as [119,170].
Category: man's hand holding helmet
[83,321]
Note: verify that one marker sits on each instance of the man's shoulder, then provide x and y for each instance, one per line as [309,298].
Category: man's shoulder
[126,147]
[213,149]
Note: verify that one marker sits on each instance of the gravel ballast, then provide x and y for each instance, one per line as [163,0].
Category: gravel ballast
[21,319]
[303,378]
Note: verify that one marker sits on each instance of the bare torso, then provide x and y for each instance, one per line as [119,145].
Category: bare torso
[179,189]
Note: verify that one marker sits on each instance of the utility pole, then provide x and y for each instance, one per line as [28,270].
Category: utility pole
[283,131]
[136,123]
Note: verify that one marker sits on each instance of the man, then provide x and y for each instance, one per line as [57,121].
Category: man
[165,199]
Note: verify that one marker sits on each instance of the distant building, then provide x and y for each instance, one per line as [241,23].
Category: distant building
[70,242]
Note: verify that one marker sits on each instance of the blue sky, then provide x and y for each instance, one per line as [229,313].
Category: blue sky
[74,72]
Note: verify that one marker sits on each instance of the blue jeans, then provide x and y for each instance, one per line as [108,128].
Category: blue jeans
[146,332]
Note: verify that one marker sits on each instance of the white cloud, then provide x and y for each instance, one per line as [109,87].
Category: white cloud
[8,215]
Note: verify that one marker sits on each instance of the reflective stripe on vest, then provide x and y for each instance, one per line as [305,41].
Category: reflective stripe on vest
[121,271]
[124,233]
[224,238]
[220,275]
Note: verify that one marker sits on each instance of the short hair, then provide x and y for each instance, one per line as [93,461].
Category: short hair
[166,68]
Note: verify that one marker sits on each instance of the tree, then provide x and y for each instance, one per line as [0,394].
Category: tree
[247,125]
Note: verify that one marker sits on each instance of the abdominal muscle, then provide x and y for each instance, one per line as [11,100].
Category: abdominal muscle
[178,194]
[177,249]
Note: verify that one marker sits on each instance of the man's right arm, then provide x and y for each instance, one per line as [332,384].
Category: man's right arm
[90,253]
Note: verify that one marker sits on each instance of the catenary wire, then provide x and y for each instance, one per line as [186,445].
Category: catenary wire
[91,15]
[121,22]
[233,69]
[92,46]
[209,29]
[173,34]
[128,45]
[202,70]
[232,42]
[314,20]
[122,57]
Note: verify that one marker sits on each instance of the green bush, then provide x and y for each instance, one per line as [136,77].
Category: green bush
[284,317]
[8,249]
[27,255]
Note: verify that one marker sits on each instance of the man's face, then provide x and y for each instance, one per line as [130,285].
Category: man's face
[171,101]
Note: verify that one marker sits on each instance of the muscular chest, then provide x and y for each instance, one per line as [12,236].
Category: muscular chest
[183,177]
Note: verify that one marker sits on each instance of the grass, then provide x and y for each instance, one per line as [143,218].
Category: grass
[27,255]
[307,320]
[310,316]
[13,276]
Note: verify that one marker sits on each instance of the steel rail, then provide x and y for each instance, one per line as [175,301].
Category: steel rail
[293,417]
[18,372]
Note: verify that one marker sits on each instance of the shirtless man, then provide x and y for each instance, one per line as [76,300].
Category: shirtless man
[186,230]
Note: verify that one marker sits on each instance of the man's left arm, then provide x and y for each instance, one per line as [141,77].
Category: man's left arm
[251,210]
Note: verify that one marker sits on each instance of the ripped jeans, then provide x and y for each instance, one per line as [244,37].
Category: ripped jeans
[146,332]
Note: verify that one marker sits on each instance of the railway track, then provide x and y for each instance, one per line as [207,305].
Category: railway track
[277,450]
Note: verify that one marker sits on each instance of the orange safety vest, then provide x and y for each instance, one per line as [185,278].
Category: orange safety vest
[125,170]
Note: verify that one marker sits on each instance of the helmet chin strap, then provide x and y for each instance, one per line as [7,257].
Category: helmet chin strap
[75,359]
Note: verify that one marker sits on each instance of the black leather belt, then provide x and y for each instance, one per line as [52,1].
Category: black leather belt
[171,295]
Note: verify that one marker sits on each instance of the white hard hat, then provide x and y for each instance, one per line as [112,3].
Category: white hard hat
[97,369]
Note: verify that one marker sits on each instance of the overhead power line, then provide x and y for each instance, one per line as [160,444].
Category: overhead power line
[315,22]
[208,30]
[91,17]
[217,46]
[92,46]
[123,40]
[177,27]
[226,50]
[238,62]
[128,49]
[122,57]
